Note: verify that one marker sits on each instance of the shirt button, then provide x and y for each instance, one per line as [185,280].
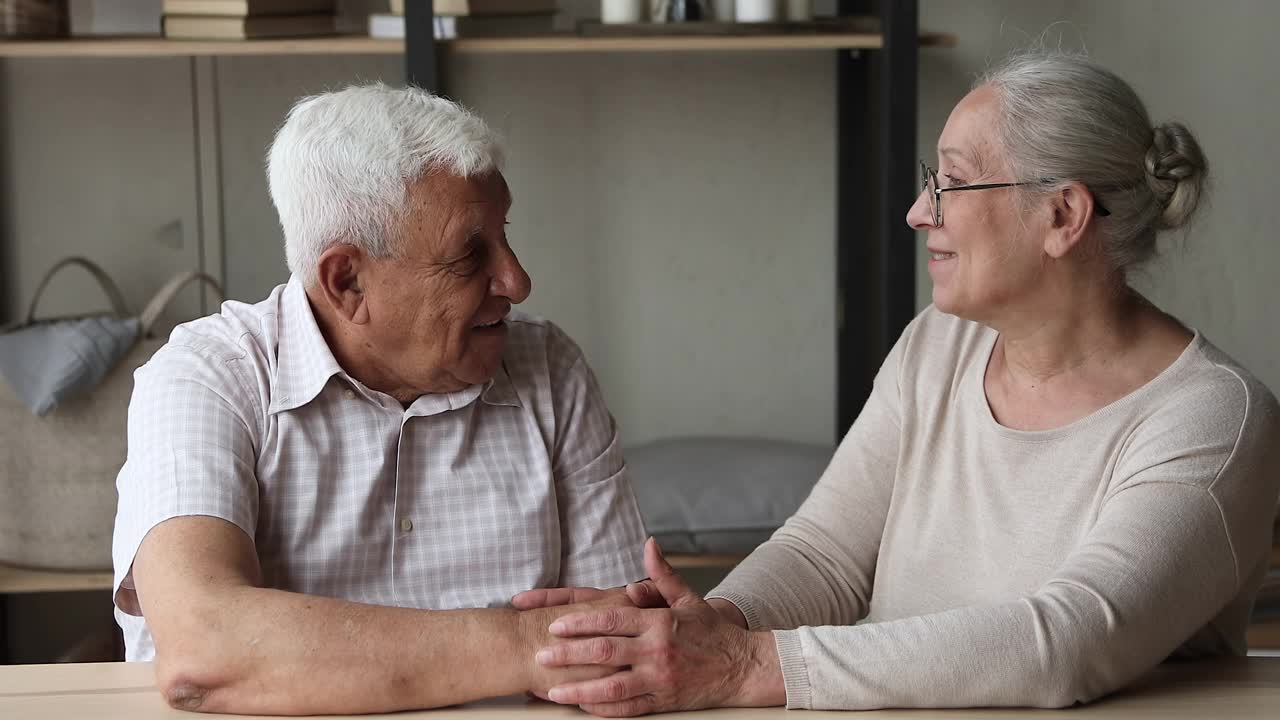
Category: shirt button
[349,394]
[406,524]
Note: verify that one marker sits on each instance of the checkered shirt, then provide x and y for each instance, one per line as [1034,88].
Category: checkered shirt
[461,501]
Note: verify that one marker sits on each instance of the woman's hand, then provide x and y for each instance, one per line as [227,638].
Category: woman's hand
[542,606]
[682,658]
[532,627]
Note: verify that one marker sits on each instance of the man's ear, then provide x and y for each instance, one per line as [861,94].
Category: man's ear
[339,282]
[1072,209]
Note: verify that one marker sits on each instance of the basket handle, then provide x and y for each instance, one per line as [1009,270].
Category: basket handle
[165,295]
[104,280]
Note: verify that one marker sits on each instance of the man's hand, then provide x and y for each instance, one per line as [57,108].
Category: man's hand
[684,657]
[642,594]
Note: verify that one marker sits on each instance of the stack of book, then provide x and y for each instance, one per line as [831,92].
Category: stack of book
[247,19]
[1267,603]
[473,18]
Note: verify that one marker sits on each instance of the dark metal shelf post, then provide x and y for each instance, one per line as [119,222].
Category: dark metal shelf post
[421,67]
[875,186]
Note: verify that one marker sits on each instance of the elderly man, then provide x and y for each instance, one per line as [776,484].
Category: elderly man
[331,495]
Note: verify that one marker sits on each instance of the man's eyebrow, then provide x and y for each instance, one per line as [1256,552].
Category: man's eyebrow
[509,200]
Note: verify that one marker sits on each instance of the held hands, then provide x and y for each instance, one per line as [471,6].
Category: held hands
[540,608]
[682,657]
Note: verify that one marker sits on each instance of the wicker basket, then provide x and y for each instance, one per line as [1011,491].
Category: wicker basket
[58,472]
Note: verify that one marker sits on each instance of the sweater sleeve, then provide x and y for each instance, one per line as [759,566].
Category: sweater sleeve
[818,568]
[1180,534]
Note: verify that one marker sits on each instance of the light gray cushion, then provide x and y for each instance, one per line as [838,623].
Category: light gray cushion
[50,362]
[721,495]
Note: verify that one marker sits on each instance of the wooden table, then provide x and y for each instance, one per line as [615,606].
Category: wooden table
[16,580]
[1218,689]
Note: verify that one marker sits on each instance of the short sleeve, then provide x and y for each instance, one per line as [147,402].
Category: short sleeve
[190,452]
[602,535]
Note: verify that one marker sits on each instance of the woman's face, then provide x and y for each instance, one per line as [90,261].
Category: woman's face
[983,258]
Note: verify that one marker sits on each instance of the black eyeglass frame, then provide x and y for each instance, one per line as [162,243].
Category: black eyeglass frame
[929,175]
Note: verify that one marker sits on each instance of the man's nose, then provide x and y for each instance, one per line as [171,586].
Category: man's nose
[510,280]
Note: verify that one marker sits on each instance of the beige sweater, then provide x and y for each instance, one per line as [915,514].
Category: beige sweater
[986,566]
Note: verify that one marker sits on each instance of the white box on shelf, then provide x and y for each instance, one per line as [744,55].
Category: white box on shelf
[115,17]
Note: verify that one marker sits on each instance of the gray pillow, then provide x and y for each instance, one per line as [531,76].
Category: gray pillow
[721,495]
[50,362]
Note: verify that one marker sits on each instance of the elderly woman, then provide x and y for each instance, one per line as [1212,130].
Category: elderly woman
[1054,485]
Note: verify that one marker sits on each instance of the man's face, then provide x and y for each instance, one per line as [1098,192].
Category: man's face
[436,312]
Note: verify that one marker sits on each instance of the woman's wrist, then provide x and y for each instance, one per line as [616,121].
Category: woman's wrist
[729,611]
[761,683]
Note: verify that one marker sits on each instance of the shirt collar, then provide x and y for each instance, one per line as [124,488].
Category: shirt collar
[497,391]
[500,390]
[305,364]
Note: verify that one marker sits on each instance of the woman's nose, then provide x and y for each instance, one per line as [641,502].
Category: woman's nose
[920,216]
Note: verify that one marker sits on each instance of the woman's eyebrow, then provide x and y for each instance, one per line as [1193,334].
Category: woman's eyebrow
[956,154]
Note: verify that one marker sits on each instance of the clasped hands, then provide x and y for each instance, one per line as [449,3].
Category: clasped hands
[654,646]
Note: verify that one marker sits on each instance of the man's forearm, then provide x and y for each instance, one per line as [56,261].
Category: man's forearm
[255,650]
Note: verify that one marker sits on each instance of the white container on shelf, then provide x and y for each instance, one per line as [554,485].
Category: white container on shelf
[799,10]
[757,11]
[624,11]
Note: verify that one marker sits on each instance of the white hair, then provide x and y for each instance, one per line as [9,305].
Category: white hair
[340,167]
[1065,119]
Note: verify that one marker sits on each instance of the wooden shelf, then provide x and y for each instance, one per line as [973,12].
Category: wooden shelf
[24,580]
[357,45]
[683,562]
[160,47]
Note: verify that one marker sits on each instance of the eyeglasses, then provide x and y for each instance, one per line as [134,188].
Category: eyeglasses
[929,185]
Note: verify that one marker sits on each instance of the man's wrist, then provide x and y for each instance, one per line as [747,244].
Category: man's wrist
[529,636]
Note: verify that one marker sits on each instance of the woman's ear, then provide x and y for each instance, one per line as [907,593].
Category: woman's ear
[339,282]
[1072,208]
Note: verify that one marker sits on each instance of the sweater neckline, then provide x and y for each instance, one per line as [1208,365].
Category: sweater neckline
[977,378]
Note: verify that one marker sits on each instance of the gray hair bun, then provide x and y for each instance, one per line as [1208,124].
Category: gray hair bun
[1176,171]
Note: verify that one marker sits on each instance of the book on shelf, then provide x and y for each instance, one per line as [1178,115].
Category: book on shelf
[207,27]
[1264,634]
[391,27]
[484,7]
[1267,601]
[448,27]
[245,8]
